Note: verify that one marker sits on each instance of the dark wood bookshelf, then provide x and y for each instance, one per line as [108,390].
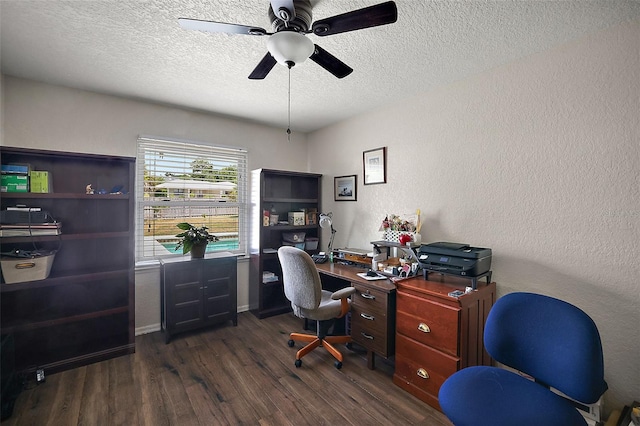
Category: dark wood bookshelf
[83,311]
[285,191]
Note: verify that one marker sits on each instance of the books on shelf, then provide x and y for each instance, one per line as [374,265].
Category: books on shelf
[16,169]
[30,230]
[12,182]
[40,182]
[20,178]
[15,177]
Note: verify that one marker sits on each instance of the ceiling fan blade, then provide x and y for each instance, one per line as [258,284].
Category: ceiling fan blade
[380,14]
[263,68]
[330,63]
[283,9]
[219,27]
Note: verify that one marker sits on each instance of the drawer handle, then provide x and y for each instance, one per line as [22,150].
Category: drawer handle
[424,328]
[367,336]
[368,296]
[422,373]
[367,317]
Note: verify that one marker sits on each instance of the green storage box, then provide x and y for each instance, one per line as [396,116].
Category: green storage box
[14,183]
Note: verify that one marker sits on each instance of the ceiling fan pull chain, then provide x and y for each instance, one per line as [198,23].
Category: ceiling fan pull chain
[289,110]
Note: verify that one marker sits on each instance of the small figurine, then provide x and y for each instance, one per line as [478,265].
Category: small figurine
[89,190]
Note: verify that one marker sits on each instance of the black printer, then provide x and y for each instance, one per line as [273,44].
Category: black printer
[455,259]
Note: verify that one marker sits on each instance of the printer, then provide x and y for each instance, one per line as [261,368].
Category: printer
[455,259]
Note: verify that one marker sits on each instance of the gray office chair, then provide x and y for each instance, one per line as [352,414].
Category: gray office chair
[303,288]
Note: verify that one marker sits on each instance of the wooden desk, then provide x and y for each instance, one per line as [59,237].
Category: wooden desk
[372,309]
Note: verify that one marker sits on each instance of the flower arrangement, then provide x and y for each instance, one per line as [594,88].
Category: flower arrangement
[193,236]
[397,228]
[394,222]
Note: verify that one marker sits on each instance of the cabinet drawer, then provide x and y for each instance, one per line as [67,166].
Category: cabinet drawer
[422,366]
[429,323]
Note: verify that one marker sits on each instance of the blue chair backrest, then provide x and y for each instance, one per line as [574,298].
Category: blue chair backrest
[549,339]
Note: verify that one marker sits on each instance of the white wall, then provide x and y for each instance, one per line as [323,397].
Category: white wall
[538,160]
[42,116]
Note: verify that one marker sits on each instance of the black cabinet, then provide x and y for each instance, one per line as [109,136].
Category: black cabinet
[198,293]
[281,192]
[83,311]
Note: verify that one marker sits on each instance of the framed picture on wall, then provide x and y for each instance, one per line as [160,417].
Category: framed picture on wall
[375,166]
[345,188]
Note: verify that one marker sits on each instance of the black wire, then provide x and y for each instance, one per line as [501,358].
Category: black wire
[33,241]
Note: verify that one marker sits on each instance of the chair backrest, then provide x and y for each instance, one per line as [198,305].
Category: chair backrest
[549,339]
[301,279]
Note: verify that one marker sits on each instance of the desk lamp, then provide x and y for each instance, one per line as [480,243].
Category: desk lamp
[326,220]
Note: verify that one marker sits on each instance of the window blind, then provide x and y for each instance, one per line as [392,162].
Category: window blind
[184,181]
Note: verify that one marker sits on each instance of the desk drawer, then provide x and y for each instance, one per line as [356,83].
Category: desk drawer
[374,337]
[428,322]
[422,366]
[370,300]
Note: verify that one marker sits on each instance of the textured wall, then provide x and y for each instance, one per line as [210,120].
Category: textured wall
[538,160]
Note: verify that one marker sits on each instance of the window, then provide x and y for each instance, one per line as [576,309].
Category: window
[181,181]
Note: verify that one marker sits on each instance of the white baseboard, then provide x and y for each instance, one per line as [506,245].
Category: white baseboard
[147,329]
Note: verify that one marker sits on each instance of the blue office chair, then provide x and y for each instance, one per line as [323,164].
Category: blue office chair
[553,342]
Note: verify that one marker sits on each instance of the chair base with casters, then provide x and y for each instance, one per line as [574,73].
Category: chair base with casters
[553,343]
[321,339]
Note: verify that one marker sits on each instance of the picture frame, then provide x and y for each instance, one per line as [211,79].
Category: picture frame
[374,163]
[345,188]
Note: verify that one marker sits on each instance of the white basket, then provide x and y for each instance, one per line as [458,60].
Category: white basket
[22,269]
[394,236]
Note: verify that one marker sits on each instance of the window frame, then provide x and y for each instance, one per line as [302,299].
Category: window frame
[237,155]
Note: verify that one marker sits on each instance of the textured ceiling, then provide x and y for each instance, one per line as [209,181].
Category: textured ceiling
[136,49]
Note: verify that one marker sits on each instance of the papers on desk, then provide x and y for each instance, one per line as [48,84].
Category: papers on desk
[368,278]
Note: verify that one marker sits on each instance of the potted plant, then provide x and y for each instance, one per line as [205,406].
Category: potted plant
[194,239]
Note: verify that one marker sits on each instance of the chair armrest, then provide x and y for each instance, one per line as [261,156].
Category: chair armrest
[343,295]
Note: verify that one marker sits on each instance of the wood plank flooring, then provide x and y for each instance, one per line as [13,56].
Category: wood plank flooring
[227,375]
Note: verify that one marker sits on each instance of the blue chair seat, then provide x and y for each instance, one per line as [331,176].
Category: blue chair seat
[493,396]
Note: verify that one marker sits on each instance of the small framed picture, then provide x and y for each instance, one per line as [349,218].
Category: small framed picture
[345,188]
[375,166]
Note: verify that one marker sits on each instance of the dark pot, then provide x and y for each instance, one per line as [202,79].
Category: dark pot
[198,250]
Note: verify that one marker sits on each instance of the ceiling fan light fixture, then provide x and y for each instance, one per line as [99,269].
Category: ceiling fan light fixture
[289,47]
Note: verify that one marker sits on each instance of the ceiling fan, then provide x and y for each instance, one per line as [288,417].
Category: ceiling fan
[291,20]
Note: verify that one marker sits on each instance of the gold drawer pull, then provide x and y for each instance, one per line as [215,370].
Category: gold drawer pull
[424,328]
[368,296]
[422,373]
[367,317]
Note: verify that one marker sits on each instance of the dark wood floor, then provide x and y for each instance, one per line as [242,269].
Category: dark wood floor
[224,376]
